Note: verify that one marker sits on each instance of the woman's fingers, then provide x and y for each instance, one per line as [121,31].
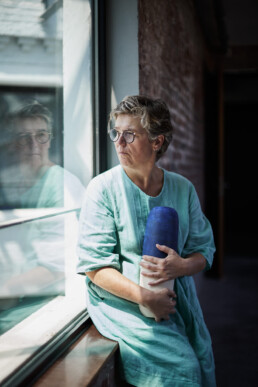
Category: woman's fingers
[164,248]
[150,274]
[152,263]
[157,282]
[148,266]
[171,293]
[164,316]
[151,259]
[162,304]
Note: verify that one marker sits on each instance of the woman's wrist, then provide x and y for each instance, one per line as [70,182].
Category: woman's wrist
[145,296]
[185,269]
[193,264]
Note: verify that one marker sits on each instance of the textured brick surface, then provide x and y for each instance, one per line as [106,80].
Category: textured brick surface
[171,68]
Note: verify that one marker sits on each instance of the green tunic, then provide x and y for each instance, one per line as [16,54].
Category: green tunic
[174,353]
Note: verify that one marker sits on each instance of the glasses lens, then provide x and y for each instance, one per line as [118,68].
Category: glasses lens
[113,134]
[23,140]
[129,137]
[42,137]
[26,139]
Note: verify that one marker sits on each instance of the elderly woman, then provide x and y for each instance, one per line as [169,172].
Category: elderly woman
[33,180]
[174,349]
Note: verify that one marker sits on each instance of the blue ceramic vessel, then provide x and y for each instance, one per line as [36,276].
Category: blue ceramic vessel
[162,228]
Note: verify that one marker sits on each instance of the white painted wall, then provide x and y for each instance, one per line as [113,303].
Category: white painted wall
[122,56]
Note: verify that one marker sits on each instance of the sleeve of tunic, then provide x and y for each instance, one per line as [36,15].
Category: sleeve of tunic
[200,236]
[98,237]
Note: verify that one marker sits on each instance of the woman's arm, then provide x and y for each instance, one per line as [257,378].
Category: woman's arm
[34,281]
[160,303]
[172,266]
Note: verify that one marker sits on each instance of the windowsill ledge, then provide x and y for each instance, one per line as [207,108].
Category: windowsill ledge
[39,333]
[90,361]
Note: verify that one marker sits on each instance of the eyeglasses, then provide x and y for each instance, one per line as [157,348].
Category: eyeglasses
[42,137]
[127,135]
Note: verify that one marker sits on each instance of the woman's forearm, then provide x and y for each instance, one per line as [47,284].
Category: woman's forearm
[114,282]
[194,263]
[160,303]
[33,281]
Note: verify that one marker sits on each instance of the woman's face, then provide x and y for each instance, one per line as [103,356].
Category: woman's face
[140,152]
[32,152]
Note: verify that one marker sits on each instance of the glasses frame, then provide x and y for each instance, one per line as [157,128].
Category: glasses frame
[19,138]
[122,134]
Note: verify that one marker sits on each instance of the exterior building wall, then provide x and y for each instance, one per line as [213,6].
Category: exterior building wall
[171,51]
[30,45]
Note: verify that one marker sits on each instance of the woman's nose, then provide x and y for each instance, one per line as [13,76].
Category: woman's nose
[121,140]
[33,143]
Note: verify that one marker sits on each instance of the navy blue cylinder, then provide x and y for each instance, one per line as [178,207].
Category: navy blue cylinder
[162,228]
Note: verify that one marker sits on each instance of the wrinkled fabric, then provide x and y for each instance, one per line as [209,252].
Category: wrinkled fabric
[174,353]
[56,188]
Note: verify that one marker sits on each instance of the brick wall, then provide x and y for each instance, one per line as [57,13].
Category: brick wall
[171,68]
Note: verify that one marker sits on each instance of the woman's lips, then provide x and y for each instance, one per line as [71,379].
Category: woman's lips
[122,153]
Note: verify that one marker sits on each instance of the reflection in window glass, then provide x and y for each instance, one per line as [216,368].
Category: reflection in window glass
[38,257]
[32,266]
[39,293]
[29,177]
[31,142]
[13,98]
[31,174]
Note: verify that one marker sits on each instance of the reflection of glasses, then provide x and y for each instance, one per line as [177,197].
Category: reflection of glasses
[42,137]
[127,135]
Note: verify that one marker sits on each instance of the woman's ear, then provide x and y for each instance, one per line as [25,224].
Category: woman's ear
[158,142]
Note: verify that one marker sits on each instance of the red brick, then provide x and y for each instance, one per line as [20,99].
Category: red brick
[171,56]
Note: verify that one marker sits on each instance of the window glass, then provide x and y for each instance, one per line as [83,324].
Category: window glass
[46,160]
[31,109]
[33,265]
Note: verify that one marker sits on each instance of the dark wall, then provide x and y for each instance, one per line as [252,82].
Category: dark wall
[241,139]
[171,52]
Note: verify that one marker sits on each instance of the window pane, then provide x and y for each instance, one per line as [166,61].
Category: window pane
[46,160]
[31,172]
[33,265]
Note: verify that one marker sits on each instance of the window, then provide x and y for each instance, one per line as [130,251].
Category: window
[46,161]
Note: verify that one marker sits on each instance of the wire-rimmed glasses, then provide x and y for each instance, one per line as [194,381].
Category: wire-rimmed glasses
[42,137]
[127,135]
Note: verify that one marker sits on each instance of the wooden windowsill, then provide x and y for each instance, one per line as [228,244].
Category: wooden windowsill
[90,361]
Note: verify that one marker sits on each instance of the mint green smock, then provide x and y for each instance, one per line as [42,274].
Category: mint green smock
[170,353]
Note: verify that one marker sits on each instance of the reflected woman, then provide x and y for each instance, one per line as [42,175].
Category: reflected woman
[37,182]
[31,180]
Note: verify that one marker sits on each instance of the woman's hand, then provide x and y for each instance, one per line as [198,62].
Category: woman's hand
[163,269]
[161,303]
[171,267]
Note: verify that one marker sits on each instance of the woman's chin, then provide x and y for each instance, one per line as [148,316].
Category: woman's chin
[124,160]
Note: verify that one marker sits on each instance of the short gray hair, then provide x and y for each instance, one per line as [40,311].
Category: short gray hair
[33,110]
[154,115]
